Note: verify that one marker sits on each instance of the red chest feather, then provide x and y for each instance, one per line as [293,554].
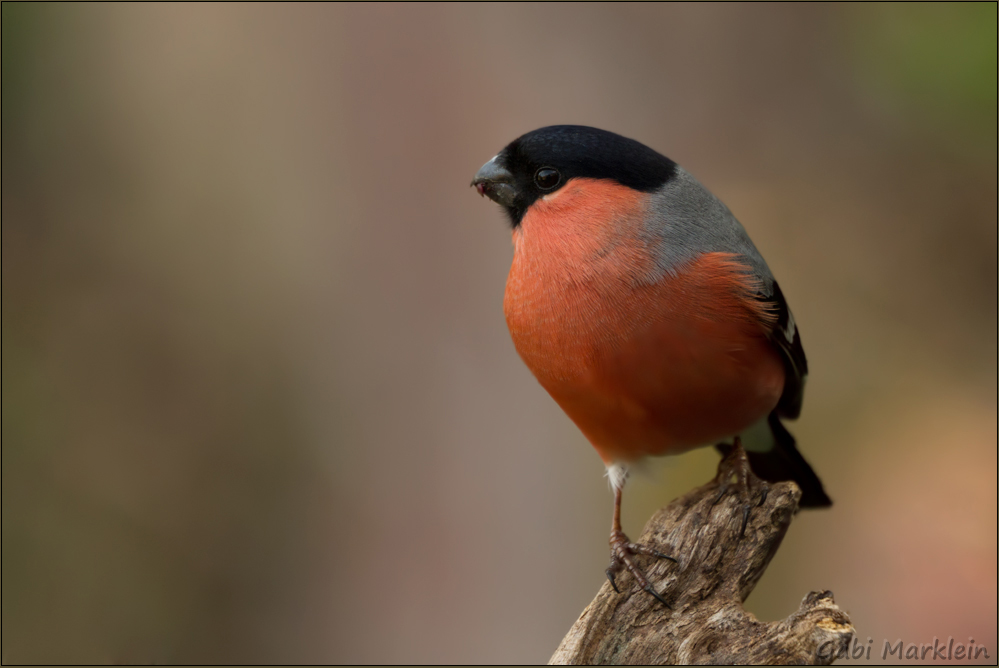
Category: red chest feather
[643,361]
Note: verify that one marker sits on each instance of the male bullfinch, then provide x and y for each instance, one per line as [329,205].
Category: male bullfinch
[640,304]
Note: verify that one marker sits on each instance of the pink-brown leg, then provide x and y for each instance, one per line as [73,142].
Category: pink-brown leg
[734,474]
[622,553]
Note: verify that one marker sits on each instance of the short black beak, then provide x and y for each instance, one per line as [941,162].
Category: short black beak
[496,183]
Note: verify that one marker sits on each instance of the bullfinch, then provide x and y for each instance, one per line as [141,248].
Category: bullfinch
[640,304]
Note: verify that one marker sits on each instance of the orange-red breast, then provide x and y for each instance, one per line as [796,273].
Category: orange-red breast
[640,304]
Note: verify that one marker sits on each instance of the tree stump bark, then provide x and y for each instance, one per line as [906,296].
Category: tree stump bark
[721,558]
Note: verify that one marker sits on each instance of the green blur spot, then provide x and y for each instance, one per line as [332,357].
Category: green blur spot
[935,62]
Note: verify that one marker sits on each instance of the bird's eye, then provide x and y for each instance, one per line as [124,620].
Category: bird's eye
[547,178]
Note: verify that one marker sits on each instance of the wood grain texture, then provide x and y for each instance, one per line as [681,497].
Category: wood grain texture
[719,566]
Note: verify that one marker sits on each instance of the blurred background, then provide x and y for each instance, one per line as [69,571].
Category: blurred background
[259,399]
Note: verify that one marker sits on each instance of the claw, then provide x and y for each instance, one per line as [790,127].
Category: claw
[763,495]
[610,576]
[659,598]
[637,548]
[660,555]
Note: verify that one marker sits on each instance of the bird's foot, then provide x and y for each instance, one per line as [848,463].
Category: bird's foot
[622,557]
[734,475]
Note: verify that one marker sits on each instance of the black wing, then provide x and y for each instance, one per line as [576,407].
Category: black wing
[786,337]
[782,461]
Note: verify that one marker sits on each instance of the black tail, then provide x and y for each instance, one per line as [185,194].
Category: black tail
[784,462]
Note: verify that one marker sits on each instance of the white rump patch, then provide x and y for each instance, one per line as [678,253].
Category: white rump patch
[617,474]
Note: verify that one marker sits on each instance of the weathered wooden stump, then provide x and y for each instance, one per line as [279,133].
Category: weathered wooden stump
[720,561]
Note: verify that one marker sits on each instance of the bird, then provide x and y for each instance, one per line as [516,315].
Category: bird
[640,304]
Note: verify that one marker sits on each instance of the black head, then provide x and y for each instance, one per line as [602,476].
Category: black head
[542,161]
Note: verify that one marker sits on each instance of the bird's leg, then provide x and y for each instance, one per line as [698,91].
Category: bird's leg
[734,474]
[623,550]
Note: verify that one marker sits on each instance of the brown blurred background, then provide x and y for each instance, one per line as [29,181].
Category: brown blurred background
[259,400]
